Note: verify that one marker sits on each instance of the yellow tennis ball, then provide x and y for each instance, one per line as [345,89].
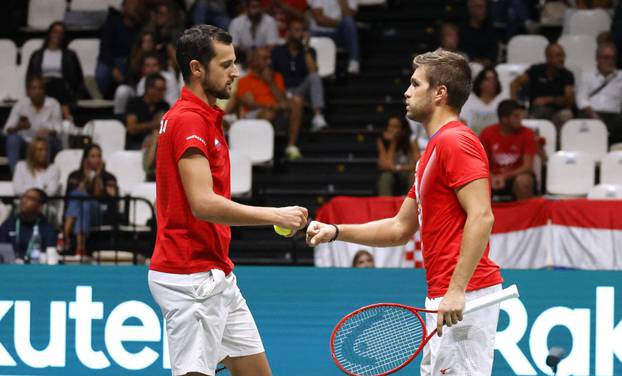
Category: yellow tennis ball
[282,231]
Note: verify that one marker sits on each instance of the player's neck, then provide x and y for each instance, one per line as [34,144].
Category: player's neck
[438,119]
[197,90]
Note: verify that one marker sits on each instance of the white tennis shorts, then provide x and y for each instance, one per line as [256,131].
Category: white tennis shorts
[207,319]
[465,349]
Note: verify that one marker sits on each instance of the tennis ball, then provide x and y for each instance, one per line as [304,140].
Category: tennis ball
[282,231]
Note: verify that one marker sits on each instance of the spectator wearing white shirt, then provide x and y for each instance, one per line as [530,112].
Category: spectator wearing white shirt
[599,95]
[480,110]
[335,19]
[34,116]
[36,171]
[254,29]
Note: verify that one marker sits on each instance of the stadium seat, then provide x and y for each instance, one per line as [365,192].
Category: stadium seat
[588,135]
[605,192]
[8,53]
[87,50]
[527,49]
[30,46]
[127,167]
[580,51]
[616,147]
[91,5]
[570,173]
[475,68]
[67,161]
[507,73]
[255,138]
[109,134]
[41,13]
[6,189]
[545,129]
[326,55]
[611,168]
[13,82]
[241,174]
[139,211]
[588,22]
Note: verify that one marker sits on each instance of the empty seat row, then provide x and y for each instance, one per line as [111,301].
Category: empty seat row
[573,173]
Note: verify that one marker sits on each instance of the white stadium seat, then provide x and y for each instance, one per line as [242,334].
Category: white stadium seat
[326,55]
[108,134]
[41,13]
[241,173]
[8,53]
[139,211]
[127,167]
[507,73]
[580,51]
[570,173]
[587,135]
[6,189]
[527,49]
[255,138]
[67,161]
[475,68]
[87,50]
[605,192]
[30,46]
[13,79]
[589,22]
[545,129]
[94,5]
[611,168]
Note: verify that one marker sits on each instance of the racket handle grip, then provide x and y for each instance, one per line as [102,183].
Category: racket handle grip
[488,300]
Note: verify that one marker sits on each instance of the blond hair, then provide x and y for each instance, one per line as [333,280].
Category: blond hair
[449,69]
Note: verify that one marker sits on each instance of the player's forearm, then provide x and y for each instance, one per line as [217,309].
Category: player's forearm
[217,209]
[387,232]
[476,234]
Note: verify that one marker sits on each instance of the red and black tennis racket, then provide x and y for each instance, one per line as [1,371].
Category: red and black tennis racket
[382,338]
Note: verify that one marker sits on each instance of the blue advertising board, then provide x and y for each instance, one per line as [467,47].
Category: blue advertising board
[99,320]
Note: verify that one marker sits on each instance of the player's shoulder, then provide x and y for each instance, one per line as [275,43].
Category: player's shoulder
[457,137]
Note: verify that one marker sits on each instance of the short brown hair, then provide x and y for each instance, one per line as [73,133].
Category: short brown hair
[450,70]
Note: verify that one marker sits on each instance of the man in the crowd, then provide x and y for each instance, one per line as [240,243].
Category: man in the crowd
[144,113]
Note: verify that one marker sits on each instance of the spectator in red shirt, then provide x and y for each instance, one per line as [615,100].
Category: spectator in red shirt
[262,95]
[510,147]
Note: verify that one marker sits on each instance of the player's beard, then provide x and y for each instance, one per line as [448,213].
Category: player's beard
[420,110]
[211,89]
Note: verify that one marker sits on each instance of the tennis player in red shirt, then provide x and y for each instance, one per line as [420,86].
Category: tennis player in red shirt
[450,202]
[190,277]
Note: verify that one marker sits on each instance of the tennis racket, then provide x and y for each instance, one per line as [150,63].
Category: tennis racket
[382,338]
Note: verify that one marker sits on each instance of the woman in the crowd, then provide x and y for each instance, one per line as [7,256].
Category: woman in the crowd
[37,171]
[397,156]
[480,110]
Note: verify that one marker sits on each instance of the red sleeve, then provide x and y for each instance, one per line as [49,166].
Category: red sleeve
[463,159]
[530,142]
[190,131]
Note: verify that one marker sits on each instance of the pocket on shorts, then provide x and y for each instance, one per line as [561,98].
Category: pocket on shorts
[209,285]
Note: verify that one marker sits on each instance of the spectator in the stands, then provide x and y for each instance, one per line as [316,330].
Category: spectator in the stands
[262,95]
[19,227]
[37,115]
[117,37]
[90,180]
[149,154]
[599,92]
[449,38]
[168,23]
[212,12]
[284,11]
[550,87]
[478,37]
[335,19]
[60,68]
[480,110]
[363,259]
[254,28]
[295,61]
[144,44]
[510,148]
[151,63]
[37,171]
[397,156]
[512,17]
[144,113]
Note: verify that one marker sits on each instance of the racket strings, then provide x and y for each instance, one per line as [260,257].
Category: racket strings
[377,340]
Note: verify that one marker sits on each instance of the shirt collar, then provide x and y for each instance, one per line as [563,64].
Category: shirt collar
[188,95]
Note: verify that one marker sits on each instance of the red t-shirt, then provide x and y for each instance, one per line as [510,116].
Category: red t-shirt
[185,244]
[505,152]
[454,157]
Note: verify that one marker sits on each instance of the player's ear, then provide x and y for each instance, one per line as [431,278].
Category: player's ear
[441,93]
[196,69]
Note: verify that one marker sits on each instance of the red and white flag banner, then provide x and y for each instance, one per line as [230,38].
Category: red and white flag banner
[531,234]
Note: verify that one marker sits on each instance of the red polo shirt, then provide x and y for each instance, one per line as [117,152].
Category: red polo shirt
[185,244]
